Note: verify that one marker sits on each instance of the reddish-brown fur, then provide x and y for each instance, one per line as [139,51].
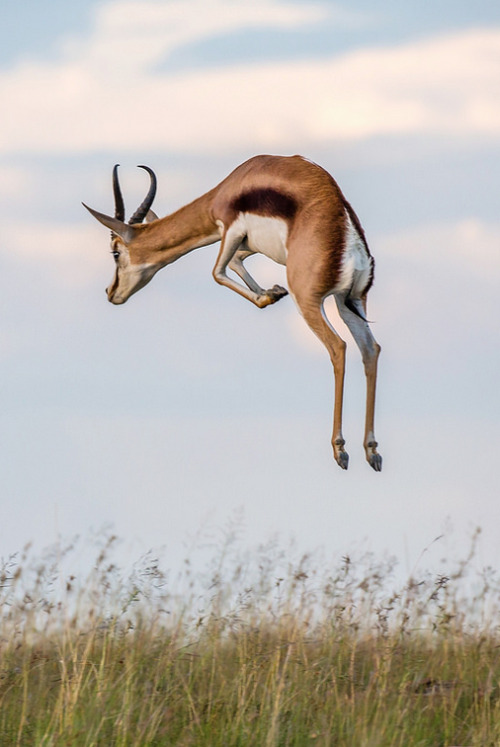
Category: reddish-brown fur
[317,215]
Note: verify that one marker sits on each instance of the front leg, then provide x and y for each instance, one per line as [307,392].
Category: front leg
[230,256]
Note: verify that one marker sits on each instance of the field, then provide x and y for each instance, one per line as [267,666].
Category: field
[308,655]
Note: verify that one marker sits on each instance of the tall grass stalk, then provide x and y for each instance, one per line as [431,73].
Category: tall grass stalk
[253,653]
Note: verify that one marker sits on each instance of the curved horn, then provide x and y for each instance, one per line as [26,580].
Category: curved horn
[142,210]
[119,206]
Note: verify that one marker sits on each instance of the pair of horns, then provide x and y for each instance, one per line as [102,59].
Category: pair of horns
[143,208]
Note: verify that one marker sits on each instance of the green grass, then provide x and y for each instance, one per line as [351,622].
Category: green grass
[247,657]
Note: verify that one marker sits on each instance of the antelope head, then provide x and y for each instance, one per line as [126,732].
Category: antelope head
[132,272]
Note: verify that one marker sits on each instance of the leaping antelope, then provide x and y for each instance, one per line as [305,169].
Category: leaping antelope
[288,209]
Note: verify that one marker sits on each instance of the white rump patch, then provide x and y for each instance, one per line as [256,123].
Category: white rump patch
[356,263]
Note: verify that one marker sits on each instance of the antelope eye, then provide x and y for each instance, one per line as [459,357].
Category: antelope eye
[115,254]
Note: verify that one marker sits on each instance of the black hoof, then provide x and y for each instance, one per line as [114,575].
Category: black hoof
[277,292]
[376,462]
[342,459]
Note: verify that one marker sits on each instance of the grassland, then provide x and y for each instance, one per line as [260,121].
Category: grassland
[247,656]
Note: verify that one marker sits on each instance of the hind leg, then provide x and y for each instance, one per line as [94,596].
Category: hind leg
[370,351]
[311,308]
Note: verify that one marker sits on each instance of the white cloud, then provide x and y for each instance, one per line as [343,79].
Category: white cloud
[106,93]
[468,248]
[63,251]
[130,37]
[435,288]
[16,182]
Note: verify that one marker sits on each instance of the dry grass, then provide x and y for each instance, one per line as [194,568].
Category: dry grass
[243,657]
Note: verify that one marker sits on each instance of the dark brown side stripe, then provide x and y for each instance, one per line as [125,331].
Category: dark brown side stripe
[268,202]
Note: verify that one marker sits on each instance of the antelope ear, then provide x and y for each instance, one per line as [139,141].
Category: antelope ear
[151,216]
[123,230]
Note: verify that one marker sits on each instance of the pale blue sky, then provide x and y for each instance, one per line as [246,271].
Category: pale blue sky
[188,405]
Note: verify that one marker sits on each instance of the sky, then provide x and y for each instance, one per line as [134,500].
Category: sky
[188,410]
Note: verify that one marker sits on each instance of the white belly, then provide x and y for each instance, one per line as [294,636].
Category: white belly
[266,236]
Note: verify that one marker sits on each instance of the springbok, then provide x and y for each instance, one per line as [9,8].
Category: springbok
[288,209]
